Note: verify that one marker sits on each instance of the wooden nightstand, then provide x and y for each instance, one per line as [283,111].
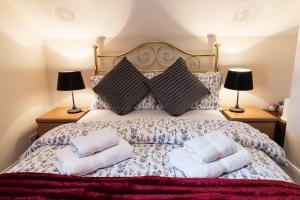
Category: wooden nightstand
[280,128]
[256,117]
[56,117]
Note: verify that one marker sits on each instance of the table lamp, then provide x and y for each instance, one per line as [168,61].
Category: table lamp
[70,81]
[241,80]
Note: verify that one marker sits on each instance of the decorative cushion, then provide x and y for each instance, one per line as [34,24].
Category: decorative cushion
[149,102]
[123,87]
[211,80]
[177,89]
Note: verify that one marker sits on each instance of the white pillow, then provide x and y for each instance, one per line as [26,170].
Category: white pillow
[97,102]
[212,81]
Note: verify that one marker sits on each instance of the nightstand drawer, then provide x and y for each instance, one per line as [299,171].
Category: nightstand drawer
[265,127]
[256,118]
[44,127]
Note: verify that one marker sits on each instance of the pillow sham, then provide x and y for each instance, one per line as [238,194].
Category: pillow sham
[97,102]
[211,80]
[177,89]
[123,87]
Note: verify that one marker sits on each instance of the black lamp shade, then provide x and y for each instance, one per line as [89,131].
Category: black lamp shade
[70,80]
[239,79]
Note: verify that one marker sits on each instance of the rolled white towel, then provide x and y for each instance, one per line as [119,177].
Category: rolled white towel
[202,150]
[237,160]
[94,142]
[223,143]
[182,160]
[70,164]
[210,147]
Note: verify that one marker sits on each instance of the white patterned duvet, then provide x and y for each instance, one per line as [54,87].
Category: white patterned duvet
[152,140]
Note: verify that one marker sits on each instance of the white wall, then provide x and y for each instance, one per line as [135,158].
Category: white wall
[271,59]
[23,85]
[292,138]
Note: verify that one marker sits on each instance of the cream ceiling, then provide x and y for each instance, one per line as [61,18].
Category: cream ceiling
[59,19]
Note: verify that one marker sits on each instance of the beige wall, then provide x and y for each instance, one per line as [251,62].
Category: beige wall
[271,59]
[292,138]
[23,86]
[68,55]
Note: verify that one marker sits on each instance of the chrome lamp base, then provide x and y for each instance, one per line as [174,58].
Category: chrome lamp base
[74,110]
[237,110]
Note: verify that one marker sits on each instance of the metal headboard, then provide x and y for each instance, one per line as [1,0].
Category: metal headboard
[159,53]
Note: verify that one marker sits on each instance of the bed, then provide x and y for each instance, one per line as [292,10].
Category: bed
[152,140]
[153,133]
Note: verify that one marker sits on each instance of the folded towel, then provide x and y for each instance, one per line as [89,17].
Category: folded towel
[223,143]
[70,164]
[182,160]
[210,147]
[94,142]
[237,160]
[202,150]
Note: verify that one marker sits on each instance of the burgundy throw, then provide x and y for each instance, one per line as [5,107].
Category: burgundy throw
[53,186]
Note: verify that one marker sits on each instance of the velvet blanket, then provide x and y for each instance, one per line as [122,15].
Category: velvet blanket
[53,186]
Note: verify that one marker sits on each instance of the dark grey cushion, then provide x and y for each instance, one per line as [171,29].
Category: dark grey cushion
[123,87]
[177,89]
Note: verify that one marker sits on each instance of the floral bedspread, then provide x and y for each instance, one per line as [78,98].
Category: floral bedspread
[152,140]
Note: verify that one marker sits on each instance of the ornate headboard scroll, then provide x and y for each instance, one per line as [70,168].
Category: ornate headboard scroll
[156,56]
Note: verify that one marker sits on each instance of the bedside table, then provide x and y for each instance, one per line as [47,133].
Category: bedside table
[56,117]
[280,127]
[256,117]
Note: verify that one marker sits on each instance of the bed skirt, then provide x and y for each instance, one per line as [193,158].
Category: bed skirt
[54,186]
